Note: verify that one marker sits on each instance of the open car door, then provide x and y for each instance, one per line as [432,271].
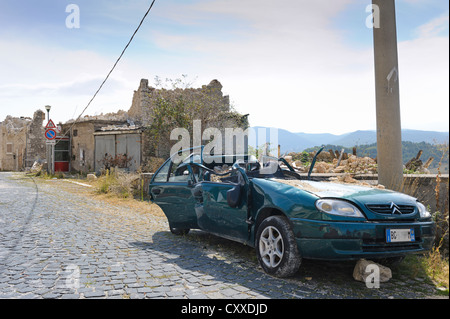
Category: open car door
[222,204]
[171,189]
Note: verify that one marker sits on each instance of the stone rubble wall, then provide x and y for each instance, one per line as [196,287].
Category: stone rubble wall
[22,142]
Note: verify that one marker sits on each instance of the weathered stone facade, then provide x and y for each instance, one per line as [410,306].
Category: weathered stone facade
[36,140]
[22,142]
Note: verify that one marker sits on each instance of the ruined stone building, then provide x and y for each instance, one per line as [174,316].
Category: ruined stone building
[22,142]
[207,104]
[145,98]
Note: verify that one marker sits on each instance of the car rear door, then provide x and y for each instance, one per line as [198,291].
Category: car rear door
[222,208]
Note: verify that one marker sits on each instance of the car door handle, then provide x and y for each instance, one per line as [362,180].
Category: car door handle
[156,191]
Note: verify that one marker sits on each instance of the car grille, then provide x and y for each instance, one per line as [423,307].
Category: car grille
[382,246]
[387,209]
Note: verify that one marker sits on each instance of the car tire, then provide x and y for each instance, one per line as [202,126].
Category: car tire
[276,248]
[179,231]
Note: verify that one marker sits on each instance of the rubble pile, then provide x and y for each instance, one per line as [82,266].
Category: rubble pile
[416,165]
[341,162]
[120,115]
[15,125]
[353,164]
[37,167]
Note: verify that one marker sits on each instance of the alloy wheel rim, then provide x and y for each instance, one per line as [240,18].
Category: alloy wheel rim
[271,247]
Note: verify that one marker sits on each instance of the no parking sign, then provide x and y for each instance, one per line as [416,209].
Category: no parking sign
[50,134]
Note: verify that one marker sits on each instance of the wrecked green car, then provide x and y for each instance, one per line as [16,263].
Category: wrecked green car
[285,216]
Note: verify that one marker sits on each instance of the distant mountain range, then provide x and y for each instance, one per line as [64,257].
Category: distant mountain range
[297,142]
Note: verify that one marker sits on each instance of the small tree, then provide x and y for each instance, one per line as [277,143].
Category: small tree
[174,104]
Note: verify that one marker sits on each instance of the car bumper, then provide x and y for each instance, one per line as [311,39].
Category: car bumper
[354,240]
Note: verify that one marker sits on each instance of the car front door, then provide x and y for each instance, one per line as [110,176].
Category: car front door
[171,190]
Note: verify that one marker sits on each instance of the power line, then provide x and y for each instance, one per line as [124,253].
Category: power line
[112,69]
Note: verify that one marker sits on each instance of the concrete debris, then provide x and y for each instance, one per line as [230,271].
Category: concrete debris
[415,164]
[365,268]
[15,125]
[343,179]
[36,168]
[91,177]
[299,184]
[120,115]
[125,127]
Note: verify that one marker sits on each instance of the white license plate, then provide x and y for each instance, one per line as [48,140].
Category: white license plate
[400,235]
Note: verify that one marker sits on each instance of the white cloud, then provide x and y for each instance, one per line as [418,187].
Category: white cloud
[284,62]
[424,83]
[24,60]
[34,75]
[288,67]
[434,27]
[291,68]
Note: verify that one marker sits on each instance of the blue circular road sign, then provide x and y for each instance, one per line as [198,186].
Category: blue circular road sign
[50,134]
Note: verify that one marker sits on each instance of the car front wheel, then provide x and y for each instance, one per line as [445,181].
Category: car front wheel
[276,248]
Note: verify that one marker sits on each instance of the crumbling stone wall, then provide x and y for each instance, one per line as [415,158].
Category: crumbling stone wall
[22,142]
[36,150]
[140,110]
[144,99]
[13,139]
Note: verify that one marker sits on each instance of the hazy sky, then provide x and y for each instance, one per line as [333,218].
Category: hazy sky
[304,66]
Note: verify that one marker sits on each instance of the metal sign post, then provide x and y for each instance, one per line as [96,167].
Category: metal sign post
[50,156]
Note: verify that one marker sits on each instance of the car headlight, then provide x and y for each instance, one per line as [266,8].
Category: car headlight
[338,207]
[424,213]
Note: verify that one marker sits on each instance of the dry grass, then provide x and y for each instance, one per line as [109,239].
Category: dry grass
[437,268]
[119,183]
[119,191]
[435,264]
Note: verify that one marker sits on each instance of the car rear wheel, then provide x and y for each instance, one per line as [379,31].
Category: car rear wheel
[179,231]
[276,248]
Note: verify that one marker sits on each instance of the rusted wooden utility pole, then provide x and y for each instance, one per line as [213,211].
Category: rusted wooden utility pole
[389,134]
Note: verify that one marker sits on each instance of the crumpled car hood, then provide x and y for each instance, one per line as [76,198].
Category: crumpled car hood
[328,189]
[362,194]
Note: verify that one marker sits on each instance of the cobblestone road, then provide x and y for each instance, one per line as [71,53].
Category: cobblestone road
[56,241]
